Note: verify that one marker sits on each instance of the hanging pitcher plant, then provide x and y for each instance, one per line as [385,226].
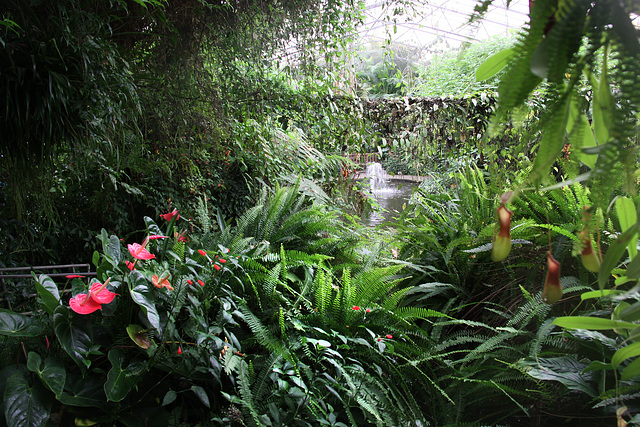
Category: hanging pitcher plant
[588,256]
[552,292]
[502,236]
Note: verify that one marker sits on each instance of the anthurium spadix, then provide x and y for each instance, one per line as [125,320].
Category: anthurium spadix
[502,237]
[552,292]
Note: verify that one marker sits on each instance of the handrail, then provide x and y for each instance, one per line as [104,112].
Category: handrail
[14,273]
[7,272]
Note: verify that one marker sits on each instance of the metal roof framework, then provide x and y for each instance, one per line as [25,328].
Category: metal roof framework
[426,24]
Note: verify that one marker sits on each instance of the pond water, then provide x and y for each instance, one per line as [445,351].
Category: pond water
[392,200]
[391,195]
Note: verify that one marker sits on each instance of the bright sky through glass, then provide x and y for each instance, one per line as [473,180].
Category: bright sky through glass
[440,24]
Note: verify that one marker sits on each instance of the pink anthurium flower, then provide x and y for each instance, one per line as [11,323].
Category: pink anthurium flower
[84,304]
[169,215]
[138,251]
[100,293]
[157,236]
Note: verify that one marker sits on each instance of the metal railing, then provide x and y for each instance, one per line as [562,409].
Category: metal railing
[53,271]
[49,270]
[364,158]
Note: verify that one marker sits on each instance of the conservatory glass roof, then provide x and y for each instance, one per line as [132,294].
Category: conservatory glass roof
[438,24]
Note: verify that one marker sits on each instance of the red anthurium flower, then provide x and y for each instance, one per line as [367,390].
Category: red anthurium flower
[138,251]
[502,239]
[552,288]
[389,336]
[216,266]
[84,304]
[169,215]
[100,294]
[157,236]
[74,276]
[200,282]
[161,283]
[129,265]
[356,308]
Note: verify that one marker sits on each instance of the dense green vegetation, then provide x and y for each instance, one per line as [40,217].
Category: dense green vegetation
[193,153]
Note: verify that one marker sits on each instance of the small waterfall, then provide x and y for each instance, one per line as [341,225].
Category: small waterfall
[376,174]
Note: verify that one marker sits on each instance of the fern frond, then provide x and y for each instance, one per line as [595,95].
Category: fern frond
[247,401]
[263,335]
[323,288]
[261,387]
[411,313]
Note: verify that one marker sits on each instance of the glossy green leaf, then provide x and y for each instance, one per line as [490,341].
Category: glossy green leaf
[565,370]
[74,334]
[602,105]
[597,365]
[631,371]
[202,395]
[139,335]
[631,313]
[48,291]
[540,60]
[624,353]
[552,142]
[119,380]
[51,372]
[633,269]
[142,295]
[83,391]
[626,211]
[599,294]
[19,325]
[95,259]
[592,323]
[494,64]
[169,398]
[614,253]
[111,247]
[25,405]
[152,227]
[579,124]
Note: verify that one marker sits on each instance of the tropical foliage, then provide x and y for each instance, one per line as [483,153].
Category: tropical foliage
[195,154]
